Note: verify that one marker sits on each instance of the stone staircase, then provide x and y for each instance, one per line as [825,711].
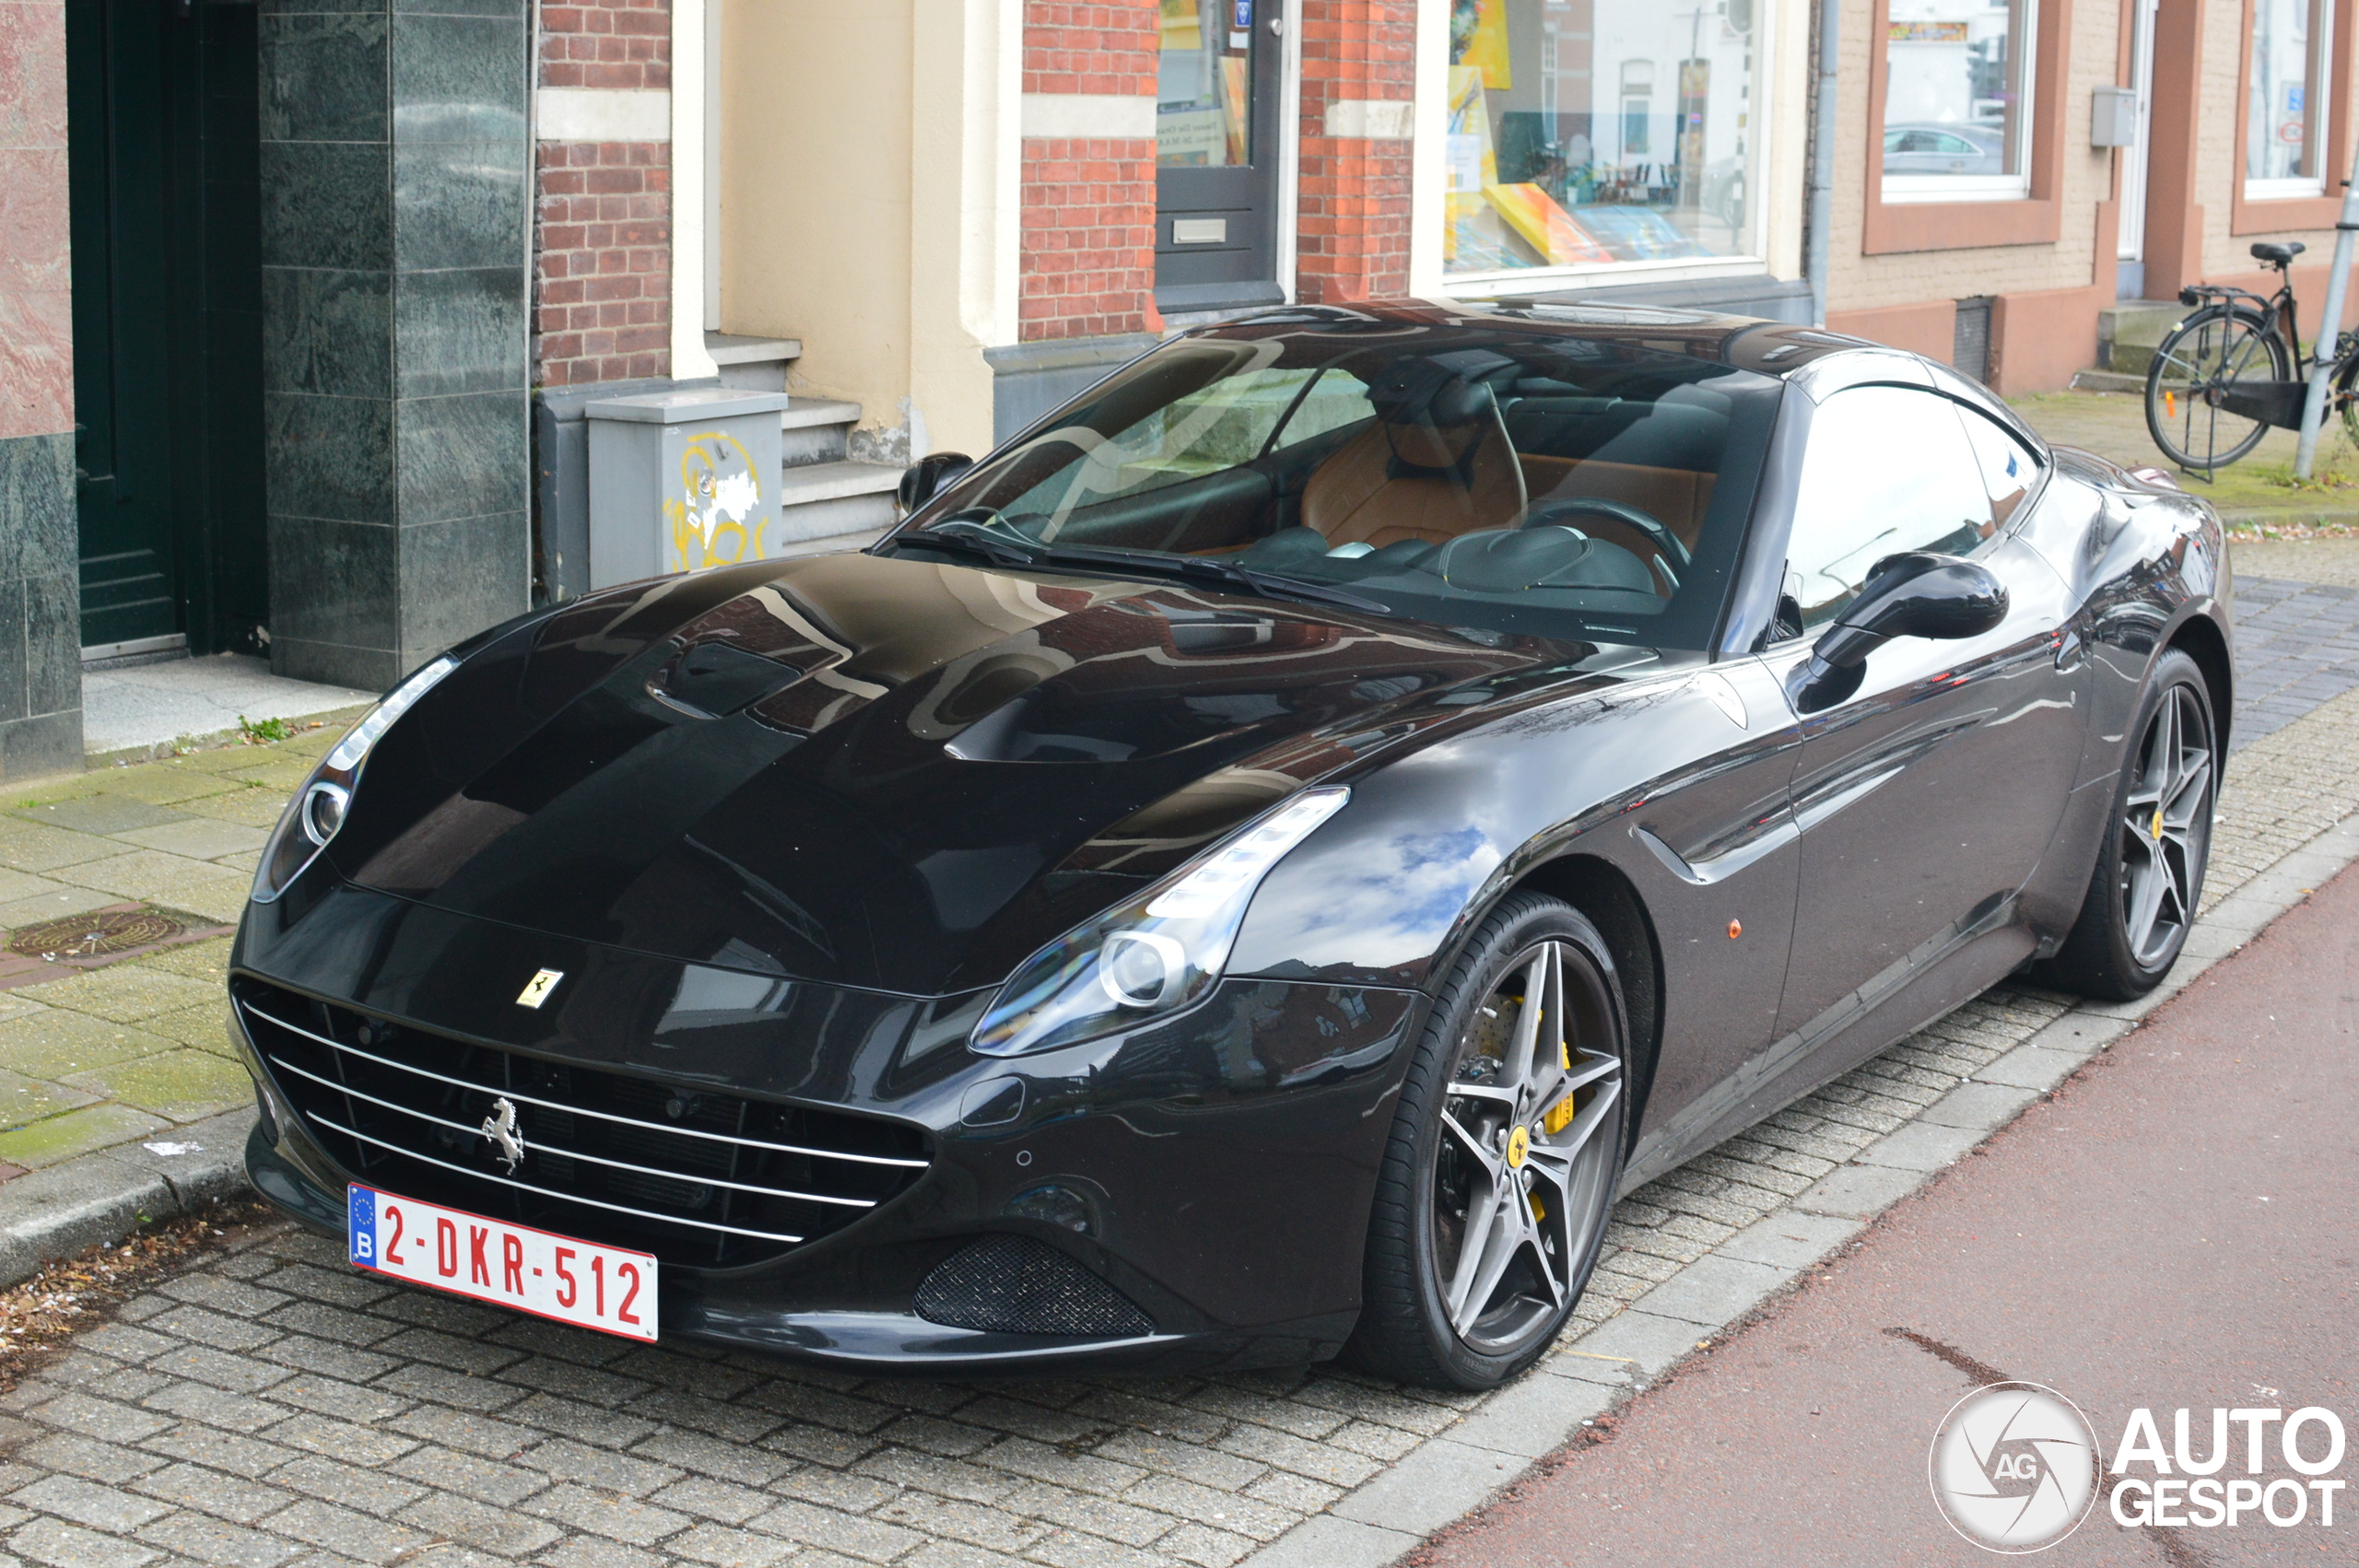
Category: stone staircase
[827,498]
[2128,336]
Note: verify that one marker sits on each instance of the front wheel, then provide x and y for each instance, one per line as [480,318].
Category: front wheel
[2202,356]
[2149,876]
[1502,1163]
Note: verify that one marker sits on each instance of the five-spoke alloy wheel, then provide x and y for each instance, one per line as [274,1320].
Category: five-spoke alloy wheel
[2149,878]
[1504,1157]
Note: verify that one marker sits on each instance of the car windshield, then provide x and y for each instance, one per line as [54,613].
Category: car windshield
[1470,473]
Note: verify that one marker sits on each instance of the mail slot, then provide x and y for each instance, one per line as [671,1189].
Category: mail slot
[1200,231]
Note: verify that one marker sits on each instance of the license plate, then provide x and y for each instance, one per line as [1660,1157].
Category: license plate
[604,1288]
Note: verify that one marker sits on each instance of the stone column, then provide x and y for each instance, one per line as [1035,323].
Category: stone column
[40,597]
[395,157]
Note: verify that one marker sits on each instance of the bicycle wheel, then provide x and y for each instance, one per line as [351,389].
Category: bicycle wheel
[2205,354]
[2346,397]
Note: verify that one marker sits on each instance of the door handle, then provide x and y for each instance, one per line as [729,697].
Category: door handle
[1277,26]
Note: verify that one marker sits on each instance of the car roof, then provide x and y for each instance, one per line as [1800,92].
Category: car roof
[1768,349]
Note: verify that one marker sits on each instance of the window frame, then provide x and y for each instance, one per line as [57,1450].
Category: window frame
[2270,212]
[2030,213]
[1921,190]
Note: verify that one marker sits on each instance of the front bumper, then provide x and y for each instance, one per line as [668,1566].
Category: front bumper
[1216,1169]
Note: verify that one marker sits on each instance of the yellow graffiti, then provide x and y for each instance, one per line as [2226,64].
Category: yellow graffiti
[715,516]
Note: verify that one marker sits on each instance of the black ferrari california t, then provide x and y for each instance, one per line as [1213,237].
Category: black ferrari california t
[1247,871]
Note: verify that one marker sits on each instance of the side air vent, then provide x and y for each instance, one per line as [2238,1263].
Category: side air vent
[1010,1284]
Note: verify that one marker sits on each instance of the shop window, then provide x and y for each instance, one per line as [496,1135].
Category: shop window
[2287,97]
[1591,134]
[1958,121]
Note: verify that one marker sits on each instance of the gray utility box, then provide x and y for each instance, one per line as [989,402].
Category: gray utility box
[682,479]
[2113,117]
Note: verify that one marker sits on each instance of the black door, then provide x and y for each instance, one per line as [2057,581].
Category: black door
[161,100]
[1927,797]
[1216,153]
[122,304]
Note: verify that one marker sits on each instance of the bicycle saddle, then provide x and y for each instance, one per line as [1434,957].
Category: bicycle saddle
[2278,255]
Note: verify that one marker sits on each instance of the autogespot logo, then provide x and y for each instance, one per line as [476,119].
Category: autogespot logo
[2014,1467]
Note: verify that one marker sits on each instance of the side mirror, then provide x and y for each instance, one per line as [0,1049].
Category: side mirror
[1916,594]
[928,477]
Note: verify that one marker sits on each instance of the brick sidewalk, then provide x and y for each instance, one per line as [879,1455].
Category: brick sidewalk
[96,1054]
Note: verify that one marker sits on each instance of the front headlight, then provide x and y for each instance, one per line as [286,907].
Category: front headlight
[312,817]
[1155,955]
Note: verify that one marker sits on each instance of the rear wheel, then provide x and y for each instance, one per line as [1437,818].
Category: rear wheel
[1504,1155]
[2346,398]
[2149,876]
[2204,354]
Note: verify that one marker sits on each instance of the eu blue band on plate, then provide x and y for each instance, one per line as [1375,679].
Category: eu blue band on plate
[361,1229]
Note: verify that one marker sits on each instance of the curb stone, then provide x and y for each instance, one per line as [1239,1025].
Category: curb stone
[1395,1511]
[103,1197]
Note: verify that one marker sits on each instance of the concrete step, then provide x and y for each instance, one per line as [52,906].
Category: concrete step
[824,500]
[813,430]
[2108,381]
[2129,331]
[753,364]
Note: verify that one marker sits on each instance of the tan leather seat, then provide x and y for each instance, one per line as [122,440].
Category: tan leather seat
[1355,498]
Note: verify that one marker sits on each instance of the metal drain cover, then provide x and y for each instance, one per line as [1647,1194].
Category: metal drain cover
[94,936]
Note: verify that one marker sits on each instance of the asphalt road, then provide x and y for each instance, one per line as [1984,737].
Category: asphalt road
[2173,1228]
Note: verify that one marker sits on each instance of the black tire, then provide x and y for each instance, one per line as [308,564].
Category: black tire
[2215,347]
[1444,1215]
[2160,826]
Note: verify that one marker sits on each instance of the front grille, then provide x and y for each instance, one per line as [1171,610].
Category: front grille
[1015,1285]
[698,1179]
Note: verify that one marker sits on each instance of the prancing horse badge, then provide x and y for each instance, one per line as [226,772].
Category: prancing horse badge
[536,990]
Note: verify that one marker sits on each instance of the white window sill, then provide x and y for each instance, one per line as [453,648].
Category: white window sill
[1906,190]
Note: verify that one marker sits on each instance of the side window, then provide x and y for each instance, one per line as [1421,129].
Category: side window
[1888,469]
[2009,469]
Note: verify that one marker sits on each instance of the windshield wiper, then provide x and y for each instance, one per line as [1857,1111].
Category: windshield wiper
[991,547]
[1213,568]
[1002,551]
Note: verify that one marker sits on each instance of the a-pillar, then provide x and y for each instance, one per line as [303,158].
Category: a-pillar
[394,166]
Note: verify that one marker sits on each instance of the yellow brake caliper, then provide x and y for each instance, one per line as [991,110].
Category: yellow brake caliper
[1561,1117]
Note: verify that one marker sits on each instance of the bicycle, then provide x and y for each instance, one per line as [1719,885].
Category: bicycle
[2229,372]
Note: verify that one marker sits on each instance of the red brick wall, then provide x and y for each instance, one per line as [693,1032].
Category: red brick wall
[1351,234]
[602,232]
[1088,233]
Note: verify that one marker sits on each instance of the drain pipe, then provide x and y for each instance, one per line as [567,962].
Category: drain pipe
[1822,156]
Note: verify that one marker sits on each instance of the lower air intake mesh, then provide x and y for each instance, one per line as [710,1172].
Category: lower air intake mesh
[1011,1285]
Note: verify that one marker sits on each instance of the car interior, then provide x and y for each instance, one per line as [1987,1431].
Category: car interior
[1575,474]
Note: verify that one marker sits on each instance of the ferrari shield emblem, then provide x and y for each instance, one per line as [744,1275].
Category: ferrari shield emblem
[536,990]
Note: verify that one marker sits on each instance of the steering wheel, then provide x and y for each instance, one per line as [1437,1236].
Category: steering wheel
[1553,511]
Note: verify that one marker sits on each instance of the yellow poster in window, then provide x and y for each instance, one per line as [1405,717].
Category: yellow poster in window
[1472,162]
[1478,37]
[1545,225]
[1183,26]
[1235,104]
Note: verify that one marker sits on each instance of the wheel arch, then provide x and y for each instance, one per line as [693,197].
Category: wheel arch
[2199,637]
[1601,892]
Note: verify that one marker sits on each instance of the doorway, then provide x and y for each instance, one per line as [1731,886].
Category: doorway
[2129,270]
[166,224]
[1218,79]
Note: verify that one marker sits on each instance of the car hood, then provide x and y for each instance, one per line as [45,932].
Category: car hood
[883,773]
